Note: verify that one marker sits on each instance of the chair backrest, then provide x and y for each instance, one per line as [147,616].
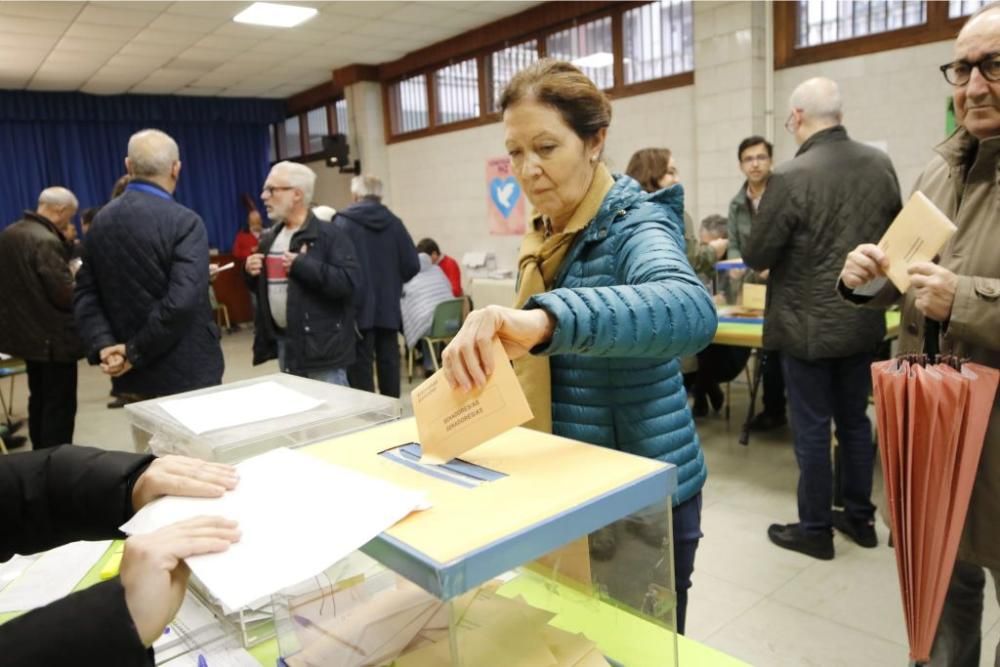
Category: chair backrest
[448,316]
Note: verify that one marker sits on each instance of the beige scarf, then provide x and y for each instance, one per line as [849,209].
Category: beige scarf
[541,257]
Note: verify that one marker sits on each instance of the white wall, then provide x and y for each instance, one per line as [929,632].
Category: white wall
[332,187]
[895,96]
[437,185]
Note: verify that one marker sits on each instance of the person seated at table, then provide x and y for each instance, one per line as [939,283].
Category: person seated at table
[607,301]
[717,364]
[69,493]
[421,296]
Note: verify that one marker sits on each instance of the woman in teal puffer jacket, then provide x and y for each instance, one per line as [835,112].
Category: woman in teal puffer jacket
[607,300]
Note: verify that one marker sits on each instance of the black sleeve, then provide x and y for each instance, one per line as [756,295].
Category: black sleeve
[172,316]
[63,494]
[89,627]
[91,322]
[333,270]
[773,226]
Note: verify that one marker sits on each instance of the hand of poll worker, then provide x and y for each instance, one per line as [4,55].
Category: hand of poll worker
[864,264]
[935,290]
[254,264]
[182,476]
[154,575]
[467,361]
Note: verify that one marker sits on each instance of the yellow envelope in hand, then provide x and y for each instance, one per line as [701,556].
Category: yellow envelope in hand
[916,235]
[451,421]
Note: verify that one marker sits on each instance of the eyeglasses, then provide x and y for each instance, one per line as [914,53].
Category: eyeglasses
[750,159]
[790,123]
[959,72]
[271,189]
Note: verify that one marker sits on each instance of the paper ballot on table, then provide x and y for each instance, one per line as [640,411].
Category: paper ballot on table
[916,235]
[451,421]
[235,407]
[298,515]
[36,581]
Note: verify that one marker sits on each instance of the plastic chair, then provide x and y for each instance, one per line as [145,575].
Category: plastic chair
[448,318]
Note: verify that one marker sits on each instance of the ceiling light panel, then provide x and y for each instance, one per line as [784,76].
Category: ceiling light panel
[275,15]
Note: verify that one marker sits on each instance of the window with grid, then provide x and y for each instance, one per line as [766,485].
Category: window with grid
[823,22]
[340,113]
[408,105]
[505,63]
[960,8]
[588,46]
[318,127]
[456,90]
[658,40]
[293,142]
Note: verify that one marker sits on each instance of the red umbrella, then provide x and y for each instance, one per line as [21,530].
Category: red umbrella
[931,419]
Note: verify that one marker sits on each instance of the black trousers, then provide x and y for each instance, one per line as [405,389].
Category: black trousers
[382,347]
[773,384]
[51,403]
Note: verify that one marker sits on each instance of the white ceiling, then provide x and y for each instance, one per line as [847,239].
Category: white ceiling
[195,48]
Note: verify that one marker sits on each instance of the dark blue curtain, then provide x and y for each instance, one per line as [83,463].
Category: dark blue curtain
[79,141]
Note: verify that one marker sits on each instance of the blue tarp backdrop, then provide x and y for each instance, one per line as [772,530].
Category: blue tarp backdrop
[79,141]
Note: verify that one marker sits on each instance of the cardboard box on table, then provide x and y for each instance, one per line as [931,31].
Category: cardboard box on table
[508,523]
[341,410]
[739,292]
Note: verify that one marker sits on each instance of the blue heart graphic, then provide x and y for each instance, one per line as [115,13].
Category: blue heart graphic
[505,189]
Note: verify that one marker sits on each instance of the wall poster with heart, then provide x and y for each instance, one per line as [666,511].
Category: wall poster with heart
[504,199]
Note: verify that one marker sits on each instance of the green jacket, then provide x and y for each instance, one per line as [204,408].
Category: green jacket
[740,216]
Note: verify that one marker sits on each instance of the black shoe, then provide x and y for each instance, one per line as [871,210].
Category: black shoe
[700,407]
[862,532]
[767,422]
[716,397]
[648,531]
[791,536]
[119,402]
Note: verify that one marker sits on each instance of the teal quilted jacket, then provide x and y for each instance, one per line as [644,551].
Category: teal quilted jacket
[627,304]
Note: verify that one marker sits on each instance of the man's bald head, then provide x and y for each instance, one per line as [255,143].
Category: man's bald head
[152,154]
[819,99]
[58,205]
[815,105]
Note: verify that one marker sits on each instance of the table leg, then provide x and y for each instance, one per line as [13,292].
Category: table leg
[754,386]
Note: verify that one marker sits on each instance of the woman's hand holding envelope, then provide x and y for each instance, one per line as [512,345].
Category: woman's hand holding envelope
[467,361]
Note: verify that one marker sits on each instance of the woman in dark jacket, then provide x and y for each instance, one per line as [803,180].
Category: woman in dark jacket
[606,300]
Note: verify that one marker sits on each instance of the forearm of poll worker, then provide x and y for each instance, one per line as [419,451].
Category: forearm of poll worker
[89,627]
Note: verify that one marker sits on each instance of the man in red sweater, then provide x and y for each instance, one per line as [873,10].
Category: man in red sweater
[447,264]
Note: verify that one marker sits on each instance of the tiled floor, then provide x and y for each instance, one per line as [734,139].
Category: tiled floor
[750,599]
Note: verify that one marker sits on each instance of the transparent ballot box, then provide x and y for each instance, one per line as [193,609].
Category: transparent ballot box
[535,550]
[740,293]
[235,421]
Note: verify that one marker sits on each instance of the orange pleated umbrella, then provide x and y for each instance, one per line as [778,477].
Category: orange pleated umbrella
[931,419]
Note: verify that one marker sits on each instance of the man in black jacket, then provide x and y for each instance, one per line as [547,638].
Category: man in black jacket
[142,294]
[306,276]
[835,194]
[389,259]
[66,494]
[37,314]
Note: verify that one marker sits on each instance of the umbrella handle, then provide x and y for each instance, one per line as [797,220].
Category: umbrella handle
[932,334]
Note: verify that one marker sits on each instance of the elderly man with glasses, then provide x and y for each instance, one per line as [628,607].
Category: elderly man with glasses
[306,277]
[955,303]
[835,194]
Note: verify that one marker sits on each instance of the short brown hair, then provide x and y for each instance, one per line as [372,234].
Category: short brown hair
[562,86]
[648,166]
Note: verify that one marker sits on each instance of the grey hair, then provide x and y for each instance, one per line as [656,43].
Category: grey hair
[367,186]
[299,177]
[716,225]
[819,99]
[57,197]
[152,153]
